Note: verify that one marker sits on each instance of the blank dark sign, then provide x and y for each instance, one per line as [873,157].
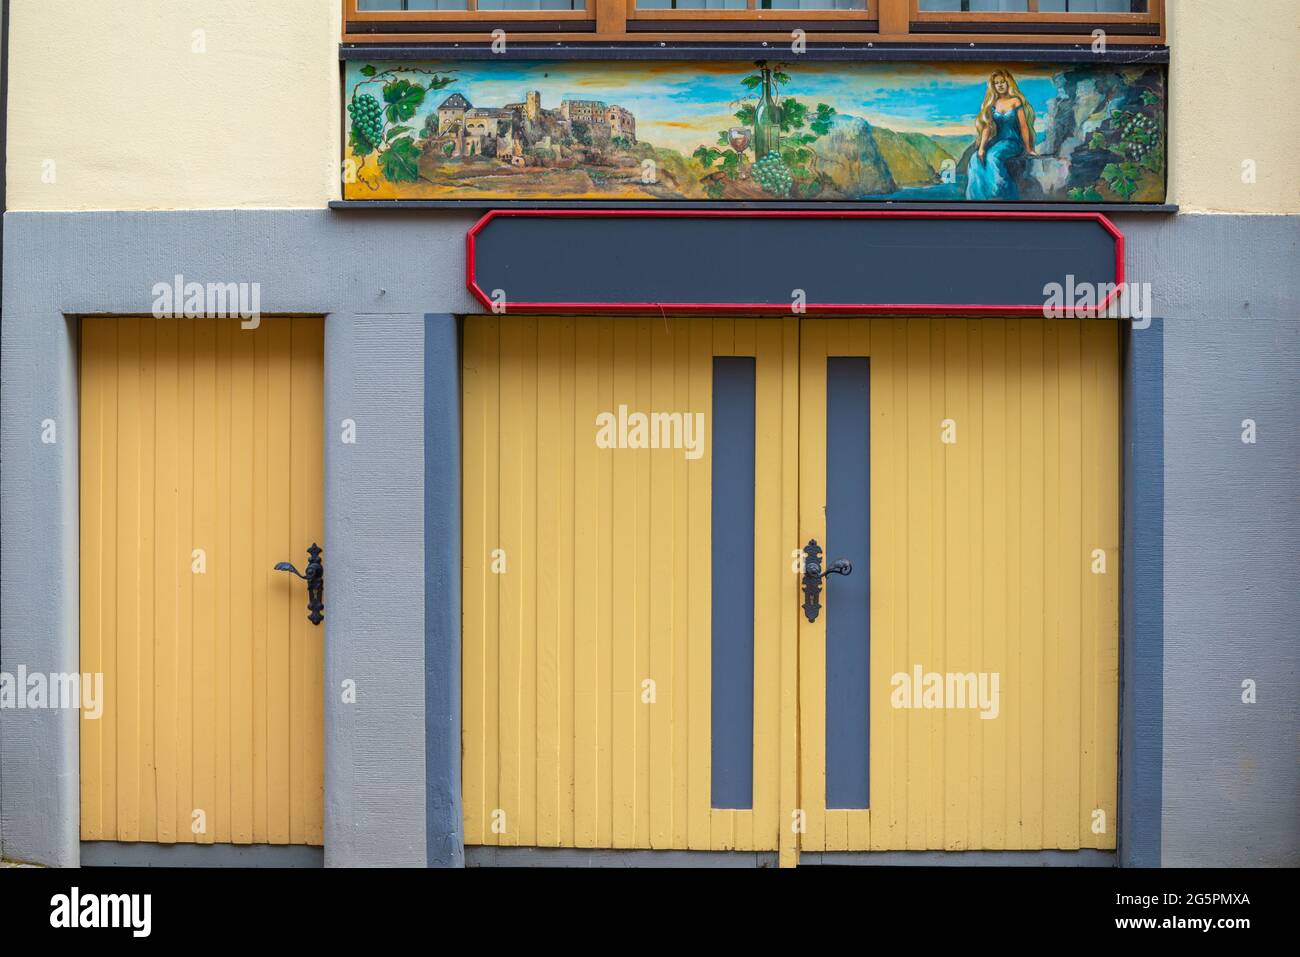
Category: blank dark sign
[764,262]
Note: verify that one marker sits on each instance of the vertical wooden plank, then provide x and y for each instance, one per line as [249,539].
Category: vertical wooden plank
[699,552]
[589,547]
[186,530]
[922,436]
[770,578]
[244,572]
[168,572]
[128,562]
[1072,562]
[1053,720]
[221,567]
[1029,686]
[1107,656]
[609,383]
[264,579]
[788,590]
[497,822]
[1013,712]
[146,771]
[624,687]
[284,601]
[547,493]
[886,556]
[994,564]
[514,613]
[973,550]
[681,622]
[641,571]
[528,596]
[957,595]
[205,593]
[566,563]
[661,500]
[477,359]
[1091,584]
[938,656]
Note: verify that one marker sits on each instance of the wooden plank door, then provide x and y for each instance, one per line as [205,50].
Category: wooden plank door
[604,682]
[201,467]
[991,455]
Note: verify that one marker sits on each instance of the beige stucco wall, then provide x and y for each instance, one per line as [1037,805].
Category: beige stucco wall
[1235,96]
[111,93]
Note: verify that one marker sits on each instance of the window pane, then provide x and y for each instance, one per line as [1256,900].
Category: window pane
[532,4]
[690,4]
[1044,6]
[1092,6]
[812,4]
[368,5]
[975,6]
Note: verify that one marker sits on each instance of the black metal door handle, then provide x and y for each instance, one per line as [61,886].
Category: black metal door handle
[315,579]
[813,575]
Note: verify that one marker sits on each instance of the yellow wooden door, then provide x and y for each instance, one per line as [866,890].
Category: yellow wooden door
[990,490]
[994,551]
[201,467]
[587,600]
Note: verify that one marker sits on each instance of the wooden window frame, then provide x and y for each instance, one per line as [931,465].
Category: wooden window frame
[1087,22]
[883,21]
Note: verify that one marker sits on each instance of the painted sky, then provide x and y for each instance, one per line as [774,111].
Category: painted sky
[685,105]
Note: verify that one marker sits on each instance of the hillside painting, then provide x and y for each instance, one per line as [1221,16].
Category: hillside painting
[754,132]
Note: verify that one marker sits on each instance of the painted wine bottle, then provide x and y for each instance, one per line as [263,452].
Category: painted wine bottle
[767,121]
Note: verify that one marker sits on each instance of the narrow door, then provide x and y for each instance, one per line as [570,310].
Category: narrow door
[201,464]
[629,634]
[958,690]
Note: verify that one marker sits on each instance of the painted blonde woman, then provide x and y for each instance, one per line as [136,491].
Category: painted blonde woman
[1004,134]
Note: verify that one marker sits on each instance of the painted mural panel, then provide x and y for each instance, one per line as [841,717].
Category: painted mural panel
[755,132]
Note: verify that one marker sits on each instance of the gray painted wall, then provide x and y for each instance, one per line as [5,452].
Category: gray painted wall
[1232,532]
[1229,291]
[374,276]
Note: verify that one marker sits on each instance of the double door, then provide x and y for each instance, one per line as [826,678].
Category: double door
[648,661]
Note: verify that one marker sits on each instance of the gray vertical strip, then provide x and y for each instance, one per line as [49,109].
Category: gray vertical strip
[733,582]
[444,822]
[1142,638]
[848,599]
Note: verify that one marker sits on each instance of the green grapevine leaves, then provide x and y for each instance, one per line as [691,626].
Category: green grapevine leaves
[401,161]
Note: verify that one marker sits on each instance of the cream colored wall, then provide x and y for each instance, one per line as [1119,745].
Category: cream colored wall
[1235,96]
[112,94]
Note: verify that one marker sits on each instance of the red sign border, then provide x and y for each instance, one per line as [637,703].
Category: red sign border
[716,308]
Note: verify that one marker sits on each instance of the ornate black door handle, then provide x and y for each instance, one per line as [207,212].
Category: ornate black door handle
[315,579]
[813,575]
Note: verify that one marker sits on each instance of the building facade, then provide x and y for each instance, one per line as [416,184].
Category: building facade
[923,487]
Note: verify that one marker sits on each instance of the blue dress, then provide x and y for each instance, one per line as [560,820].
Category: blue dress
[991,178]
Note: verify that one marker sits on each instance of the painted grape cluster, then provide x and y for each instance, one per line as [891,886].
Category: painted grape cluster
[773,175]
[367,123]
[1139,134]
